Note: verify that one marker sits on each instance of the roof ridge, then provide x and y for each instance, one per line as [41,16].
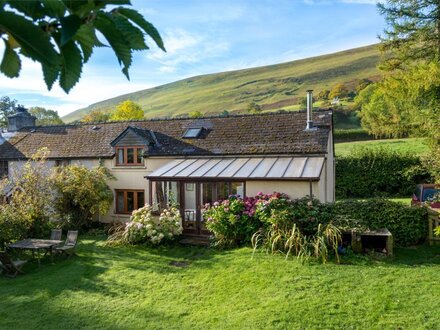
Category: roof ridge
[233,115]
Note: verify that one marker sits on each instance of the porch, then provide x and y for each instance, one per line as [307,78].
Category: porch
[189,184]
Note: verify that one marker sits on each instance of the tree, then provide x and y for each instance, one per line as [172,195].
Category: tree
[407,102]
[303,102]
[362,84]
[45,116]
[195,114]
[224,113]
[253,107]
[7,108]
[413,33]
[324,94]
[61,36]
[339,91]
[95,116]
[31,200]
[127,110]
[81,193]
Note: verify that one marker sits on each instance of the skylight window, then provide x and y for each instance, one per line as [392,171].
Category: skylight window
[192,133]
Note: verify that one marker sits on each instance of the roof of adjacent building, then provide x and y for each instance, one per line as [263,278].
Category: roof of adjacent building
[263,134]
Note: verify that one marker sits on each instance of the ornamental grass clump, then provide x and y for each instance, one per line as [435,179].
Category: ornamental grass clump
[144,228]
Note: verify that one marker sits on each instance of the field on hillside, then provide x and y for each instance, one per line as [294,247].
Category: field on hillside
[140,288]
[272,87]
[411,145]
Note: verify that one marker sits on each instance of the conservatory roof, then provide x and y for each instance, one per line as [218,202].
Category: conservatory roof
[245,168]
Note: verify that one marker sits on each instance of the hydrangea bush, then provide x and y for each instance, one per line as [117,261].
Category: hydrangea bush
[234,220]
[144,228]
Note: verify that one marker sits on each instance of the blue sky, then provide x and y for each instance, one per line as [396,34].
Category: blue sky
[207,36]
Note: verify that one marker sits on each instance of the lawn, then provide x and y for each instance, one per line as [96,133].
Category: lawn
[137,288]
[411,145]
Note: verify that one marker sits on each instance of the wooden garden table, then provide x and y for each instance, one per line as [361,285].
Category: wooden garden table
[36,245]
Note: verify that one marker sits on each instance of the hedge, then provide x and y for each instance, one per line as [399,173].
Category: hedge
[355,134]
[378,172]
[409,225]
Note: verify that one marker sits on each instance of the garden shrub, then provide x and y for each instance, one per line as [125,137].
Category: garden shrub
[300,226]
[408,224]
[232,221]
[144,228]
[12,226]
[28,212]
[378,172]
[81,193]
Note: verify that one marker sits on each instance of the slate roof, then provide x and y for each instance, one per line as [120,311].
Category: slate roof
[263,134]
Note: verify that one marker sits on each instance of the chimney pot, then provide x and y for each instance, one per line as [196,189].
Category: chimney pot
[21,118]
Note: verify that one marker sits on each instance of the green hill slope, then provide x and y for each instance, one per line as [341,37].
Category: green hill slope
[272,87]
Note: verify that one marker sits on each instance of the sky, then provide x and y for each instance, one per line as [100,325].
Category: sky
[208,36]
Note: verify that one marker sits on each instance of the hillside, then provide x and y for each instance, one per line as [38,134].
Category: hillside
[272,87]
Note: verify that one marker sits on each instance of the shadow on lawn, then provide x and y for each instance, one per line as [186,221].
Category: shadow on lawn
[421,255]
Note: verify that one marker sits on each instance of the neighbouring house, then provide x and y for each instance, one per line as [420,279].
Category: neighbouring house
[188,161]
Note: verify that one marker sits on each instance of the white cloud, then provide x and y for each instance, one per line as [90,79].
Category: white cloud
[167,69]
[184,47]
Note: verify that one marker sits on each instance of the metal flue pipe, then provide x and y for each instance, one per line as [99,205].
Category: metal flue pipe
[309,125]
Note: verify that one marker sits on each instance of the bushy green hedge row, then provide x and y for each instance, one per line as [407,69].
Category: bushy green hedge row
[355,134]
[378,172]
[233,221]
[409,225]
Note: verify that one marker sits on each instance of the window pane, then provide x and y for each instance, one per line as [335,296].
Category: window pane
[121,156]
[192,132]
[237,188]
[173,193]
[120,201]
[130,201]
[140,153]
[141,199]
[207,193]
[130,155]
[222,190]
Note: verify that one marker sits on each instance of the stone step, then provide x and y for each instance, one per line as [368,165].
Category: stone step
[195,240]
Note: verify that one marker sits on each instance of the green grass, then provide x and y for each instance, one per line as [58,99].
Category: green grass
[412,145]
[137,288]
[273,87]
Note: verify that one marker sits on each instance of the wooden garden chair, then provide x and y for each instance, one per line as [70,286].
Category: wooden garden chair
[11,268]
[55,234]
[68,248]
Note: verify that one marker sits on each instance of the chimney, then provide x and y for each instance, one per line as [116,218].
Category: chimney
[309,126]
[21,118]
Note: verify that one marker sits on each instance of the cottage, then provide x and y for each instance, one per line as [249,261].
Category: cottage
[188,161]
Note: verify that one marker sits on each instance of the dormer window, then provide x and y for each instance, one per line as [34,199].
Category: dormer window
[129,156]
[192,133]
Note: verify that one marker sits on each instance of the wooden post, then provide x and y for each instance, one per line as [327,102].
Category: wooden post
[433,222]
